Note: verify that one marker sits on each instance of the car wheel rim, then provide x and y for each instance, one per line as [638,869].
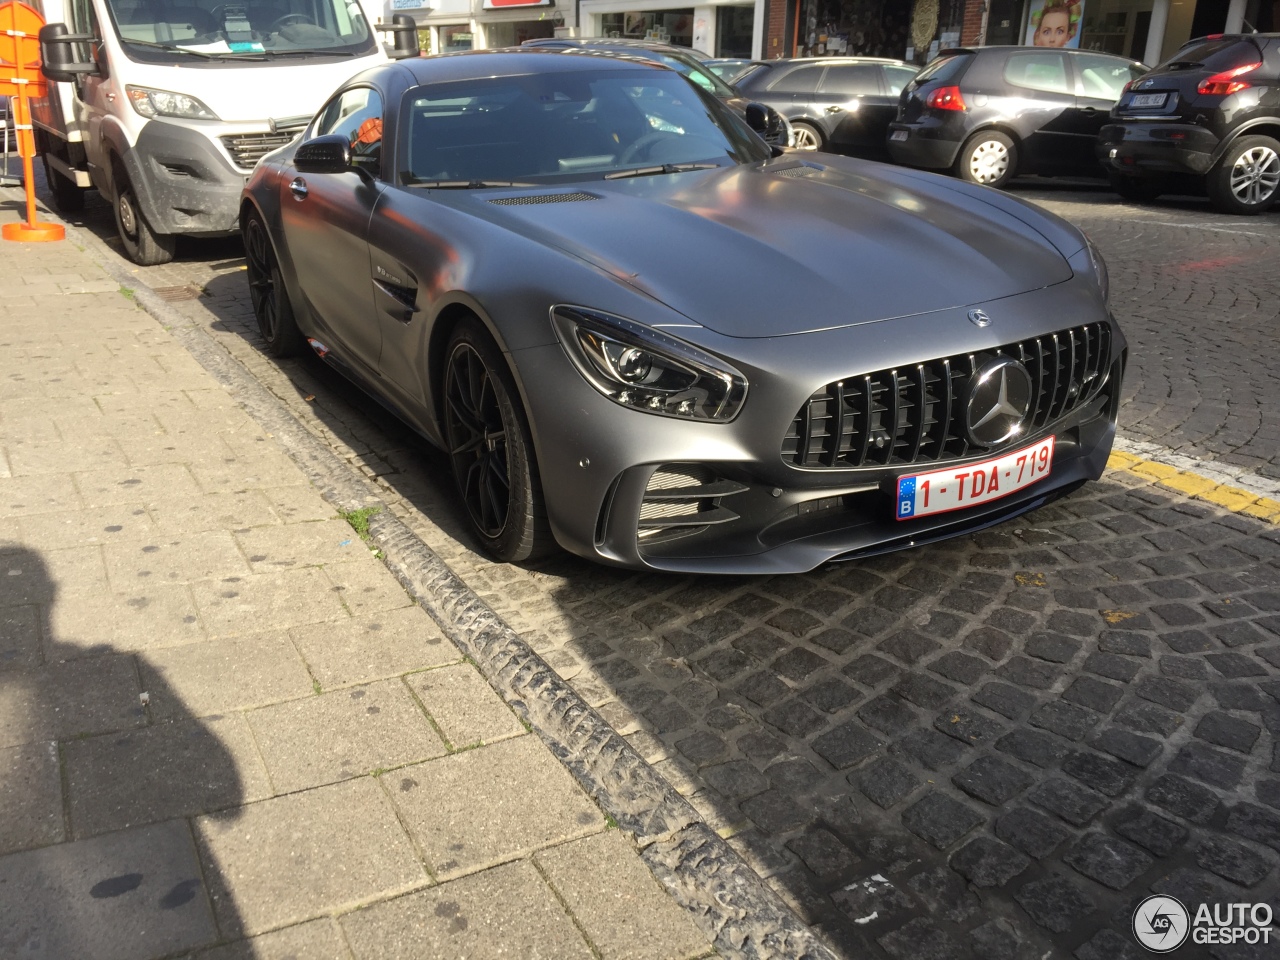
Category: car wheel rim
[806,139]
[477,441]
[1255,175]
[128,219]
[261,269]
[989,161]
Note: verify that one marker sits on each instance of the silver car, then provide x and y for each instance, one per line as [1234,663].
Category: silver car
[643,334]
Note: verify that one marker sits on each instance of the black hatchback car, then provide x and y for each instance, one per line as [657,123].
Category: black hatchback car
[1212,111]
[990,113]
[777,132]
[842,104]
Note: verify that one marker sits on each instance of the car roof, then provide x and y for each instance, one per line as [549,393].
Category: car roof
[514,62]
[1010,48]
[619,42]
[787,61]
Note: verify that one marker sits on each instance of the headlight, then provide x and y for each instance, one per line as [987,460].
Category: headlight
[1099,268]
[162,103]
[647,370]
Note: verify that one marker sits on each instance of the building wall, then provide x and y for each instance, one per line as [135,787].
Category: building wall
[776,42]
[972,29]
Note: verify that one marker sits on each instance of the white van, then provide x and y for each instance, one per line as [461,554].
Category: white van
[166,105]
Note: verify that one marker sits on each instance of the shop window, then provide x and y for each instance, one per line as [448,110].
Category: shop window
[456,37]
[1038,71]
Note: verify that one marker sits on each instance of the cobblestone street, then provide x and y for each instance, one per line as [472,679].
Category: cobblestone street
[993,747]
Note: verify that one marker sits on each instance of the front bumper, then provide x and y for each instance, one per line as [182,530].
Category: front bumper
[931,143]
[1138,149]
[608,473]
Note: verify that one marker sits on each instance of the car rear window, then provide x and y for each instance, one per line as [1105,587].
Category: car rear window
[944,69]
[1215,55]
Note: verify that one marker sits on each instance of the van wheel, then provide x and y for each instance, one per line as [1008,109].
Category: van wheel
[1246,181]
[988,157]
[144,246]
[68,199]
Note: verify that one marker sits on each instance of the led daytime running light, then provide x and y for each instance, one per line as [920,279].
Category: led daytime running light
[647,370]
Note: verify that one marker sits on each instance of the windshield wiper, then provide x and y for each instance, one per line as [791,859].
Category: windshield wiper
[654,171]
[202,54]
[281,54]
[465,184]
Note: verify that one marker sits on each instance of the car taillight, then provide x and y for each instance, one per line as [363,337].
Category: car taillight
[1224,83]
[945,98]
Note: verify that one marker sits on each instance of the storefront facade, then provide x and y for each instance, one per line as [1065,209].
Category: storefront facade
[735,28]
[1146,30]
[449,26]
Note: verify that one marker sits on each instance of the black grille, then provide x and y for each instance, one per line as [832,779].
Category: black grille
[542,198]
[916,414]
[247,149]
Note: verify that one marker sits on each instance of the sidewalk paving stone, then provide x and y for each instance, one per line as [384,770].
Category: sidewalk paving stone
[372,647]
[201,679]
[30,797]
[305,855]
[464,706]
[63,700]
[464,815]
[313,940]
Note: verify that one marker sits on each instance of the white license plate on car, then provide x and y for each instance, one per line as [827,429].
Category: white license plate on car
[1148,100]
[898,135]
[940,491]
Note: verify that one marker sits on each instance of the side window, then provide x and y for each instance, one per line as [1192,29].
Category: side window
[896,79]
[357,115]
[1103,77]
[800,80]
[1038,71]
[852,80]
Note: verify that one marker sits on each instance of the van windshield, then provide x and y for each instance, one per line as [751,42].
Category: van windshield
[172,30]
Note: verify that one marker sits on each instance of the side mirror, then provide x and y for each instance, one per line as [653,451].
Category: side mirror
[404,36]
[327,154]
[57,54]
[757,115]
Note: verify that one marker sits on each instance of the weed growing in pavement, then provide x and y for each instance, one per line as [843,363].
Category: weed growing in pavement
[359,520]
[315,685]
[609,822]
[127,293]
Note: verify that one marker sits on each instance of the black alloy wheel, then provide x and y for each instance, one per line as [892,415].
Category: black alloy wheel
[270,300]
[490,449]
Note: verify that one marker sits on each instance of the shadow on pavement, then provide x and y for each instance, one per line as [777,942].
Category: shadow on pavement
[105,773]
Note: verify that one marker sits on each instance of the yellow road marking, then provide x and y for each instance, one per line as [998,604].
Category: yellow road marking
[1194,485]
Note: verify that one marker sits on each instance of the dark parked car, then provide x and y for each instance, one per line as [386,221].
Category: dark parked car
[991,113]
[682,60]
[1212,111]
[842,104]
[579,276]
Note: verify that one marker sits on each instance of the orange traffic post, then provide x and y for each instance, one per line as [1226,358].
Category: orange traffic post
[21,79]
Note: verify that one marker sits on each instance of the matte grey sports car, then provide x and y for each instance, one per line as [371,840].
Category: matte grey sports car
[640,332]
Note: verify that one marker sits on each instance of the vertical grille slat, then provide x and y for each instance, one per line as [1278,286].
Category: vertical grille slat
[917,414]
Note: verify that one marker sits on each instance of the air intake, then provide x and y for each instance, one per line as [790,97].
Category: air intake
[535,198]
[683,499]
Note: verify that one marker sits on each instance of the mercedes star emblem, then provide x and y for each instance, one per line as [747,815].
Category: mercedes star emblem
[999,401]
[979,318]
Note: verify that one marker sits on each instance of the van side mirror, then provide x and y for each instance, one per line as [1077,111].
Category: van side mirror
[327,154]
[57,54]
[404,36]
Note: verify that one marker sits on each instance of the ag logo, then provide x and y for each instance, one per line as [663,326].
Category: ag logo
[1161,924]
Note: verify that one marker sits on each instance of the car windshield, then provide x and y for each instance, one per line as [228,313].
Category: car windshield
[172,30]
[687,66]
[564,126]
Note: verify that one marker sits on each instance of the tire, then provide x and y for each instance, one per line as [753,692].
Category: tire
[490,449]
[68,199]
[1136,189]
[271,307]
[808,137]
[988,157]
[1246,180]
[142,244]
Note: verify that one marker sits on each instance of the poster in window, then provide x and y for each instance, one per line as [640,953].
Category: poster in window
[1054,23]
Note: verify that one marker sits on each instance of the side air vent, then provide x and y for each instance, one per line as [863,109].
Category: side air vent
[803,170]
[683,499]
[531,199]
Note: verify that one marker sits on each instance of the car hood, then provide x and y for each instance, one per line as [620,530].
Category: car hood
[791,247]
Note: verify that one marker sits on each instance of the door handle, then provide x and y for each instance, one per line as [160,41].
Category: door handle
[298,188]
[1090,111]
[835,109]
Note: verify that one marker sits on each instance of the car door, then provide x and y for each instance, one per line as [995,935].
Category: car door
[791,92]
[1099,82]
[856,109]
[325,220]
[1039,98]
[91,95]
